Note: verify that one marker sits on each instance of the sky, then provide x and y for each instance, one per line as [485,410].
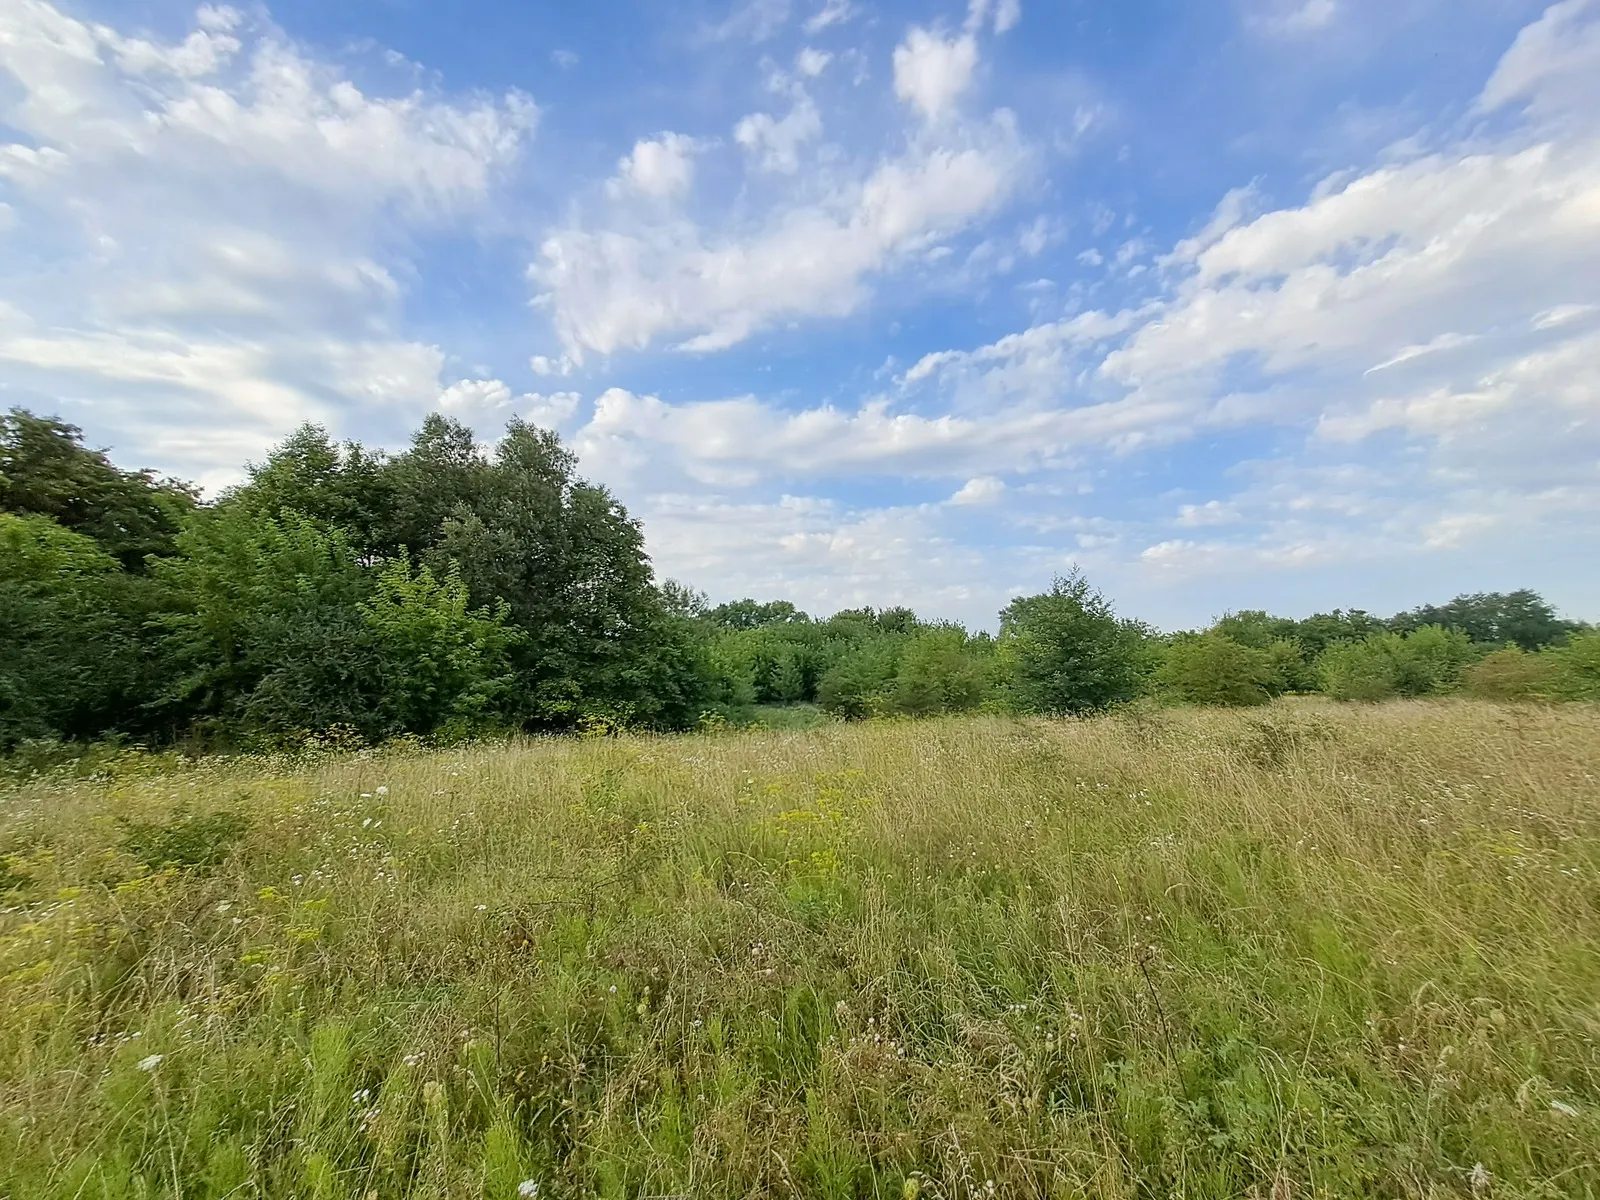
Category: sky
[1284,304]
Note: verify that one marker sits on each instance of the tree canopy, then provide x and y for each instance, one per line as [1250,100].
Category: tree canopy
[451,588]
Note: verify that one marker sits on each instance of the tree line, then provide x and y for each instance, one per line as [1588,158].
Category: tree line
[448,590]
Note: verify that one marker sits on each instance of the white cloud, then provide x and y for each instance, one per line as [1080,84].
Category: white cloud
[812,62]
[471,396]
[612,289]
[984,489]
[750,20]
[1416,339]
[221,213]
[661,167]
[1552,65]
[775,143]
[931,72]
[1291,18]
[1440,344]
[1212,512]
[832,12]
[1005,14]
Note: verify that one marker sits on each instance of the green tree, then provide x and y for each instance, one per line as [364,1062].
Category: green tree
[263,631]
[347,488]
[943,670]
[45,470]
[73,659]
[1426,662]
[1065,651]
[1214,669]
[860,684]
[1521,618]
[439,663]
[751,614]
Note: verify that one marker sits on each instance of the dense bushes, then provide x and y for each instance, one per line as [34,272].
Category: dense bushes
[447,590]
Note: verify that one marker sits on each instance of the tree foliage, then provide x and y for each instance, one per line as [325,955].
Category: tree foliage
[450,588]
[46,471]
[1065,651]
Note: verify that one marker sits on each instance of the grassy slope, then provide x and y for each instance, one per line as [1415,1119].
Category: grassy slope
[1317,951]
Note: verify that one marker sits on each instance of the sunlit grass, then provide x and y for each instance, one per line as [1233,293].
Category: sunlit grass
[1310,951]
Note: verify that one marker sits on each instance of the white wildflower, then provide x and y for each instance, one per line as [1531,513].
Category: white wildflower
[150,1062]
[1478,1177]
[527,1189]
[382,791]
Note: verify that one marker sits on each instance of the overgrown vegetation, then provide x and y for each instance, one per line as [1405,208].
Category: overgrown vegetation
[1303,950]
[445,592]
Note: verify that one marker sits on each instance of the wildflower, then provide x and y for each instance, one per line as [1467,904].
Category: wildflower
[150,1062]
[1478,1177]
[381,791]
[412,1060]
[527,1189]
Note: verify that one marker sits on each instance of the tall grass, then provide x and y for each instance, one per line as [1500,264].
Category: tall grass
[1311,951]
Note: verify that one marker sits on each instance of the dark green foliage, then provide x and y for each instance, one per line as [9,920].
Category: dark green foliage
[1520,618]
[450,589]
[45,470]
[1065,651]
[263,629]
[439,663]
[73,653]
[943,669]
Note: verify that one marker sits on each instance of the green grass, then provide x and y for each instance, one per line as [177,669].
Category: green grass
[1309,951]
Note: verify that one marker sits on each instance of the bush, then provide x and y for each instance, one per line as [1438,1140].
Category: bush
[1576,668]
[1427,662]
[1510,674]
[1215,669]
[941,670]
[860,683]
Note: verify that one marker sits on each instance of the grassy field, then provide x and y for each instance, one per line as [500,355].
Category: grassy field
[1307,951]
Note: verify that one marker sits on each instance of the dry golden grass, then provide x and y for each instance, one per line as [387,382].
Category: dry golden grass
[1306,951]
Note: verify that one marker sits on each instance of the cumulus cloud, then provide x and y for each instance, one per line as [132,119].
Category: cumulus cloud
[1425,315]
[984,489]
[932,71]
[217,211]
[775,142]
[624,287]
[662,167]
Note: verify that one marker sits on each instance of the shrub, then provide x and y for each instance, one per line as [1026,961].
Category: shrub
[1510,674]
[1426,662]
[1576,667]
[859,684]
[1215,669]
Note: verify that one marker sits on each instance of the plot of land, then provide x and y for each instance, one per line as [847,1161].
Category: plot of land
[1306,951]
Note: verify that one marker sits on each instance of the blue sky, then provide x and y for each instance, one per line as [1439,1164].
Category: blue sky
[1277,303]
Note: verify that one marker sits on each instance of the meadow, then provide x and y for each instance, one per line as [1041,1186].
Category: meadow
[1306,950]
